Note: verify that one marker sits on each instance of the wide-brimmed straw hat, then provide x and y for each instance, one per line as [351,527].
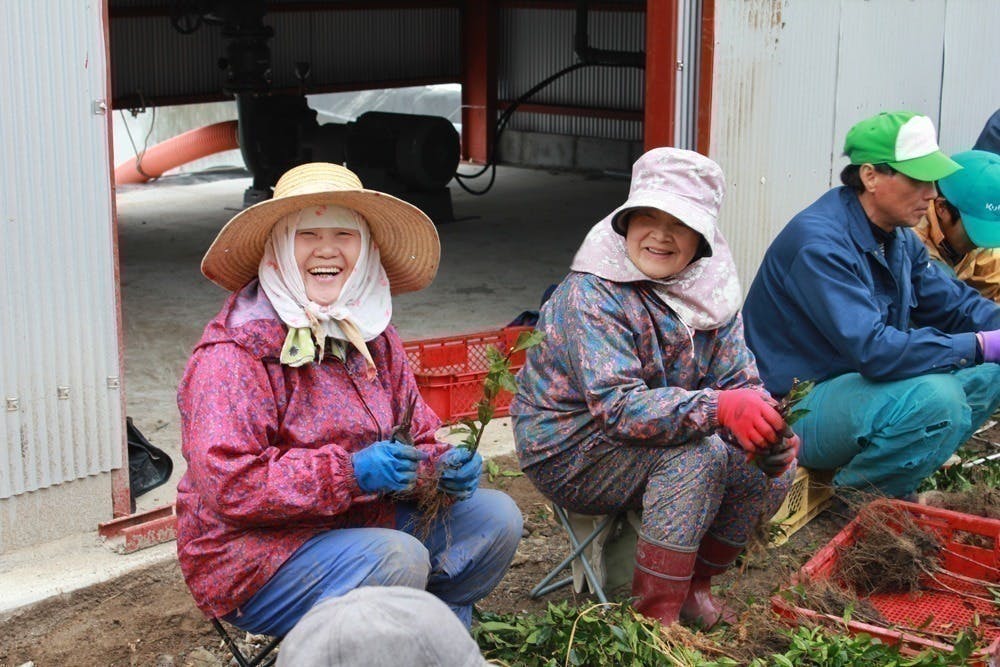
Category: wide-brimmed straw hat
[407,239]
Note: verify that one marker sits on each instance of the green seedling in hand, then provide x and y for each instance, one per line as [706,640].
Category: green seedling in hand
[786,406]
[498,378]
[789,412]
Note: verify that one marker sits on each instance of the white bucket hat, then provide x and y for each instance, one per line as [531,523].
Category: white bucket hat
[683,183]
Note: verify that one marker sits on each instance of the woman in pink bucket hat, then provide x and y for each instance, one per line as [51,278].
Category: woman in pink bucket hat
[644,396]
[290,405]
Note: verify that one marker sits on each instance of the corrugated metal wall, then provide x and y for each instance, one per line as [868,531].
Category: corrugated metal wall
[792,76]
[59,365]
[535,43]
[343,46]
[970,88]
[689,57]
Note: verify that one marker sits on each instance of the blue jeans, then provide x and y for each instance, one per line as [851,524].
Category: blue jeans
[463,558]
[889,436]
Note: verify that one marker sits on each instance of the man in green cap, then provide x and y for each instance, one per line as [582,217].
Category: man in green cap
[961,229]
[904,356]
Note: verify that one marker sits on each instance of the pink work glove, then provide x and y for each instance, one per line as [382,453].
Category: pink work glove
[750,418]
[989,343]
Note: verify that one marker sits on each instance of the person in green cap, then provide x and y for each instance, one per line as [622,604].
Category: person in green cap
[961,229]
[904,356]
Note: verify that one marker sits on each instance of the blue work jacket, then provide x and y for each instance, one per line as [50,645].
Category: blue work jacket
[827,300]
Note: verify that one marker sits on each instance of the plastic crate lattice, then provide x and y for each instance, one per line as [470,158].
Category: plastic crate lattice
[450,371]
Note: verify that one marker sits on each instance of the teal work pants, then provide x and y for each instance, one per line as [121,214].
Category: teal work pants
[888,436]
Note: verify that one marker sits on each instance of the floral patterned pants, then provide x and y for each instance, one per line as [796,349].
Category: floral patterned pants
[683,491]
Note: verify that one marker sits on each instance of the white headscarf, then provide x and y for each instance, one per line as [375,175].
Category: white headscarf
[705,294]
[362,310]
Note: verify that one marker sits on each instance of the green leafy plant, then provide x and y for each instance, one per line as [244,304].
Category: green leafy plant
[817,646]
[614,634]
[787,405]
[788,410]
[498,378]
[494,471]
[960,478]
[429,499]
[601,634]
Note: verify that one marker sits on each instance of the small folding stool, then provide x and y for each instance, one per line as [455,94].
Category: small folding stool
[597,544]
[265,657]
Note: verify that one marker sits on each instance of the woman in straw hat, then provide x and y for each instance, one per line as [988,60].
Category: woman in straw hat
[288,408]
[644,396]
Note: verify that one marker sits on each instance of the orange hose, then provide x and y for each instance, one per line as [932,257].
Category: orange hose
[179,150]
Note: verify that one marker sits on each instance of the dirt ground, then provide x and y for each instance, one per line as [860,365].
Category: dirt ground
[149,618]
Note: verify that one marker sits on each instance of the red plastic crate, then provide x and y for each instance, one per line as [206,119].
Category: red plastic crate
[450,371]
[972,546]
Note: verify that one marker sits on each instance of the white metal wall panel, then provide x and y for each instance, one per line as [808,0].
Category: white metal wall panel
[792,76]
[371,45]
[970,87]
[151,59]
[775,75]
[689,57]
[890,58]
[535,43]
[342,46]
[58,308]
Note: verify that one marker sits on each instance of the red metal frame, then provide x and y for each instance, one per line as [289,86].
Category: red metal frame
[661,73]
[121,496]
[159,525]
[141,530]
[479,80]
[703,141]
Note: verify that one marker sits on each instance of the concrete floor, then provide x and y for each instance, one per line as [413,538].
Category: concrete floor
[498,257]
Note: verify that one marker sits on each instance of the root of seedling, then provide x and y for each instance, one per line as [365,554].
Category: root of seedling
[759,632]
[432,505]
[676,635]
[980,500]
[826,597]
[891,555]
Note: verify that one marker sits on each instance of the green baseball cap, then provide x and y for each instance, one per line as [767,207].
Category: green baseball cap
[904,140]
[975,192]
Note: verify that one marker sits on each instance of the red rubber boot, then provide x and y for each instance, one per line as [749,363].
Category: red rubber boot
[700,607]
[661,580]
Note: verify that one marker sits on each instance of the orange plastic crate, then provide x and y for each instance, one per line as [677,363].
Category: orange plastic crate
[450,371]
[971,548]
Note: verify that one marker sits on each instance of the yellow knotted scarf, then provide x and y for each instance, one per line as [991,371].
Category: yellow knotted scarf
[299,348]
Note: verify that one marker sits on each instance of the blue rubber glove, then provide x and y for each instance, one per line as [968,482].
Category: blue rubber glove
[387,466]
[460,471]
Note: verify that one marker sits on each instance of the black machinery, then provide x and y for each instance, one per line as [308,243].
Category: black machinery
[410,156]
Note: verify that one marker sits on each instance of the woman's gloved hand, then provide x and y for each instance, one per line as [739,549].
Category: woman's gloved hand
[387,466]
[778,458]
[750,418]
[460,471]
[989,344]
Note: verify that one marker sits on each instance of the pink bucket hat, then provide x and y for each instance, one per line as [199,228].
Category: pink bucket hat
[685,184]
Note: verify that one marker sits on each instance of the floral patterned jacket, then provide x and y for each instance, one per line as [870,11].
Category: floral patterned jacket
[269,447]
[618,366]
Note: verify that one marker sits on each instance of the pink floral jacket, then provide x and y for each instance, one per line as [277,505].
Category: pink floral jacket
[269,448]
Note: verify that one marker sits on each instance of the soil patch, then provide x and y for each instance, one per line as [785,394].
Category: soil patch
[148,617]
